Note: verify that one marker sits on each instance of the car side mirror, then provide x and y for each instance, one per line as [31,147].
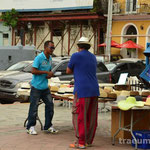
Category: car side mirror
[58,73]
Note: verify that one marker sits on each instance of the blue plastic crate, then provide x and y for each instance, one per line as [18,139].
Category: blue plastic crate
[143,139]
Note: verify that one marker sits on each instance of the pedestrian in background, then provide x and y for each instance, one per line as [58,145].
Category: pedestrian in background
[41,70]
[83,65]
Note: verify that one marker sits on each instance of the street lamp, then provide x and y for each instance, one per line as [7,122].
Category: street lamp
[29,25]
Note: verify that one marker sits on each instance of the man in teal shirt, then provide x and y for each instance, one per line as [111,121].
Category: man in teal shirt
[41,70]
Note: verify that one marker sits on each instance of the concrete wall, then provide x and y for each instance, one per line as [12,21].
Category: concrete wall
[10,55]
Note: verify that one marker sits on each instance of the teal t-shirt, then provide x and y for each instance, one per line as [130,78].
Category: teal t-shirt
[41,63]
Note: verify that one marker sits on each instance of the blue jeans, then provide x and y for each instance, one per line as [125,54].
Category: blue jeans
[35,96]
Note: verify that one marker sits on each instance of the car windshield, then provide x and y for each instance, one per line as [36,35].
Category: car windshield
[18,66]
[29,67]
[110,66]
[54,63]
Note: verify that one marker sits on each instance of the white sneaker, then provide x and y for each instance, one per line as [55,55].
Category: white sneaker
[51,130]
[32,131]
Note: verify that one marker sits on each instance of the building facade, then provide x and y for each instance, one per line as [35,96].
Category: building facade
[131,21]
[63,28]
[60,21]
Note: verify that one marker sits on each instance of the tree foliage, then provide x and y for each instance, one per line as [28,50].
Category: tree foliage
[10,18]
[100,6]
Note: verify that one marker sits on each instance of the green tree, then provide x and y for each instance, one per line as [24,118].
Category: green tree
[100,6]
[10,18]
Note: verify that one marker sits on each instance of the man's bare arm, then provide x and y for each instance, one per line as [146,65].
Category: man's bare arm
[69,71]
[38,72]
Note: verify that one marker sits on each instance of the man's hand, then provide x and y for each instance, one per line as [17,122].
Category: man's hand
[49,74]
[69,71]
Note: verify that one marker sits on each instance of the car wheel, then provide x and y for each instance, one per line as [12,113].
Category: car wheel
[25,99]
[5,102]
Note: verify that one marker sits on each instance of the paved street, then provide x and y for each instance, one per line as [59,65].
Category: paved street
[13,135]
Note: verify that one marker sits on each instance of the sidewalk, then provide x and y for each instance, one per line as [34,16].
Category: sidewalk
[13,135]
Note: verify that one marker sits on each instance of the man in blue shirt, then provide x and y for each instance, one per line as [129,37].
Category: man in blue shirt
[83,65]
[41,70]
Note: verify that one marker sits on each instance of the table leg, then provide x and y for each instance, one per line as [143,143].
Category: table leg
[63,103]
[25,122]
[37,118]
[104,109]
[131,130]
[113,142]
[69,104]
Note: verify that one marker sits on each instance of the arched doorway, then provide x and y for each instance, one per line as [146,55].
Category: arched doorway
[129,33]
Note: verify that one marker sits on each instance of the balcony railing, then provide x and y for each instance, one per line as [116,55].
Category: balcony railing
[144,8]
[120,8]
[116,8]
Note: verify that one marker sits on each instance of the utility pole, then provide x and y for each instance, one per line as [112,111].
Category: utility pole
[109,27]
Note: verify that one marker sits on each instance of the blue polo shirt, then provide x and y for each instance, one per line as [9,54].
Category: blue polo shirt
[84,66]
[41,63]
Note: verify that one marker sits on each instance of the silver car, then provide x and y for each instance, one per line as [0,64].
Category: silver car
[11,81]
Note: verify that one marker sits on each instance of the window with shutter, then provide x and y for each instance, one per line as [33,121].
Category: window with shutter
[131,6]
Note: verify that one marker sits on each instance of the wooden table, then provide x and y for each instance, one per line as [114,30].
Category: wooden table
[65,99]
[69,100]
[133,119]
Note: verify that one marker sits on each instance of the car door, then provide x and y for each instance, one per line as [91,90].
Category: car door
[60,71]
[120,68]
[102,73]
[136,68]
